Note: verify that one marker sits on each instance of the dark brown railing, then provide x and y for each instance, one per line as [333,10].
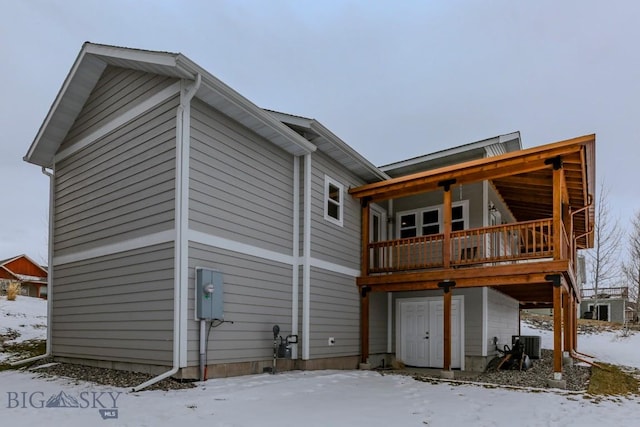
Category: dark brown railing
[603,293]
[496,244]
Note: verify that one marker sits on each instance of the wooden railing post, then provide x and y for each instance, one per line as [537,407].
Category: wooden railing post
[446,223]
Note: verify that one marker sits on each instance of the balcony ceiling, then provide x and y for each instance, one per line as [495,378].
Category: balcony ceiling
[523,178]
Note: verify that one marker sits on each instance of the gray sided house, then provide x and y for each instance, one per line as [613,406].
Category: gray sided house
[175,199]
[158,168]
[609,304]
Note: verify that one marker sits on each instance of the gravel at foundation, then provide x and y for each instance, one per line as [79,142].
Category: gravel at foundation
[576,376]
[111,377]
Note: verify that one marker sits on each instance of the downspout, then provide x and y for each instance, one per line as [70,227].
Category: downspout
[47,352]
[295,280]
[306,258]
[182,186]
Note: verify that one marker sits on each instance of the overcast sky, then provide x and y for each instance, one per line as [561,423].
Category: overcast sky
[394,79]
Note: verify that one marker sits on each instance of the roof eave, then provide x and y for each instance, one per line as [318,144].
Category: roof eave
[94,57]
[341,145]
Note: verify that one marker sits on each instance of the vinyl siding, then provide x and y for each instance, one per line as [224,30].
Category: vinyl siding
[257,295]
[117,307]
[503,317]
[616,308]
[119,187]
[378,322]
[117,91]
[331,242]
[334,313]
[240,185]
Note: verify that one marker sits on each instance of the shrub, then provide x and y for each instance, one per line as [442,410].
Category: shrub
[13,290]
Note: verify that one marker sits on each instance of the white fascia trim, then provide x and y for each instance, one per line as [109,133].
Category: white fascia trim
[129,54]
[265,118]
[56,104]
[243,248]
[114,248]
[335,268]
[122,119]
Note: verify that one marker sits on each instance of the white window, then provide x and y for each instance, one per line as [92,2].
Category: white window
[427,221]
[333,200]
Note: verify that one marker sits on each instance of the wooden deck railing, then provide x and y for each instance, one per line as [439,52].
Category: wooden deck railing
[603,293]
[496,244]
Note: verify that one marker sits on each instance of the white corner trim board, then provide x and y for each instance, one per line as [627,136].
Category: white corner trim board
[122,119]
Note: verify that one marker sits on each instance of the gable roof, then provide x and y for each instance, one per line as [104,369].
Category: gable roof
[487,147]
[331,145]
[22,275]
[94,58]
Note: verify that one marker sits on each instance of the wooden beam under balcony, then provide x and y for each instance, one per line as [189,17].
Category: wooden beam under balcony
[499,275]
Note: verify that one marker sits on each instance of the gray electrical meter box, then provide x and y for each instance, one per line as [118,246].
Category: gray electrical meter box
[209,294]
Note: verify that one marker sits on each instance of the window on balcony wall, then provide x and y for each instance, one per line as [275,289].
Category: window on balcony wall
[427,221]
[333,200]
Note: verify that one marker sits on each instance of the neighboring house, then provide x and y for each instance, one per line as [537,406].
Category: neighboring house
[612,304]
[168,185]
[22,269]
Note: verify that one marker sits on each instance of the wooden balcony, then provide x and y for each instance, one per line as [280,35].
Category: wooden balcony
[487,246]
[548,190]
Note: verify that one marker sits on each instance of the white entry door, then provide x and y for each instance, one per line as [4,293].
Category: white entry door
[420,339]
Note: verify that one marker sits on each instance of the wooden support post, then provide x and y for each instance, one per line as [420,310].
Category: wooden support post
[446,223]
[557,332]
[575,325]
[447,331]
[566,320]
[446,286]
[364,323]
[558,184]
[572,320]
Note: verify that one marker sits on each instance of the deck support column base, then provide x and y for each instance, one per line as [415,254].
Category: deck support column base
[561,384]
[446,375]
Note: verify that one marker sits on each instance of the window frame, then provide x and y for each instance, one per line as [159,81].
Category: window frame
[328,182]
[419,215]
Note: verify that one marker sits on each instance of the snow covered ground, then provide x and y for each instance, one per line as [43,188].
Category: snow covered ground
[318,398]
[27,316]
[607,346]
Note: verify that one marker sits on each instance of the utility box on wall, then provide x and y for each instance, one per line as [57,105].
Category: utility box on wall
[209,294]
